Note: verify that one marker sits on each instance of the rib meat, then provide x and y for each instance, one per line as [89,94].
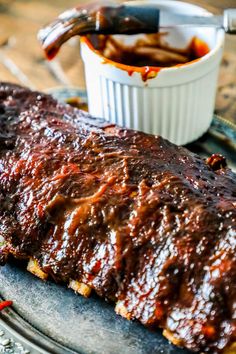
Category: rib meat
[142,222]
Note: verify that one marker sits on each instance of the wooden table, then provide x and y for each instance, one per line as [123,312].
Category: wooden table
[22,60]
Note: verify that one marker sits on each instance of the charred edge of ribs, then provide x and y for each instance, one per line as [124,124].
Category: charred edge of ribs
[142,222]
[216,162]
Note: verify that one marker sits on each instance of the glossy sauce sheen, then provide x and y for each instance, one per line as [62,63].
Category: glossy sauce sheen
[140,220]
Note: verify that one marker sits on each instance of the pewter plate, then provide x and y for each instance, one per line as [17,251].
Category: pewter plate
[48,318]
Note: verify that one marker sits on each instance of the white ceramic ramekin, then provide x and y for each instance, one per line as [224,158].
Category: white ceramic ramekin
[177,104]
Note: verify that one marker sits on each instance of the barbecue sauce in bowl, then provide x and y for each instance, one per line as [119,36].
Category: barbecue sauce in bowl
[148,55]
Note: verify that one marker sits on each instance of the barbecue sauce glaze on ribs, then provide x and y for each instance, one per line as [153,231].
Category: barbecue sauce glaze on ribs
[146,224]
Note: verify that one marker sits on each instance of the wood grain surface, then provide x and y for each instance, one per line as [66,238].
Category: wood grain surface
[22,60]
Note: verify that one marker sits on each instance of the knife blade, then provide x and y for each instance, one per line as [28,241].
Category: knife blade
[227,21]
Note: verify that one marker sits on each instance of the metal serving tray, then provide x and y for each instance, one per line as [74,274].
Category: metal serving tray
[48,318]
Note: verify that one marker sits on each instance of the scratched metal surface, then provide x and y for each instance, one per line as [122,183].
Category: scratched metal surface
[48,318]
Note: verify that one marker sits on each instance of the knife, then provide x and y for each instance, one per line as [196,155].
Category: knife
[123,19]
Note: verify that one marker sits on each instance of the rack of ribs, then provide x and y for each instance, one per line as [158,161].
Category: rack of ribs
[144,223]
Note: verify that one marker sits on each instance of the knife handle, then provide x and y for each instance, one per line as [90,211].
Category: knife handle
[230,21]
